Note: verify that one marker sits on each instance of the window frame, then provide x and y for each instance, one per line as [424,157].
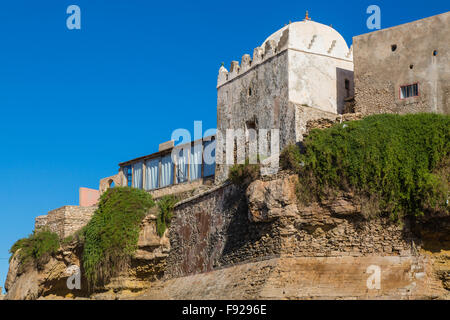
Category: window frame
[407,85]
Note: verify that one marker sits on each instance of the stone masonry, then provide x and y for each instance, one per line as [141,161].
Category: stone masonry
[65,221]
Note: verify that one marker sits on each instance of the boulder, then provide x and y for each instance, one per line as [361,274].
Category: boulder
[270,200]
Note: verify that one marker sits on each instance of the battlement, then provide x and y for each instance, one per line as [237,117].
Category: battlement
[304,36]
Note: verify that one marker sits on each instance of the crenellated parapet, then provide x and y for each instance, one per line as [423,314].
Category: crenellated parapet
[304,36]
[260,55]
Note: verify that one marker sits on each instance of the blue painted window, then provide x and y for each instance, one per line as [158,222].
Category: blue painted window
[129,174]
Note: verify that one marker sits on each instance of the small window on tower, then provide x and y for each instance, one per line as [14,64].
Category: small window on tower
[250,92]
[408,91]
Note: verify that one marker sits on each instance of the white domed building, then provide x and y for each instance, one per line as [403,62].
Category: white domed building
[301,72]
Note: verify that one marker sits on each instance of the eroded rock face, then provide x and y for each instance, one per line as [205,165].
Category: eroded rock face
[150,245]
[50,280]
[269,200]
[28,282]
[147,265]
[20,287]
[264,244]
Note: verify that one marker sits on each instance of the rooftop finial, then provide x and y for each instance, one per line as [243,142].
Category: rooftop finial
[307,18]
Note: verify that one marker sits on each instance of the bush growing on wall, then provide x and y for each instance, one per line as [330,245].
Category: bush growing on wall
[244,174]
[290,158]
[166,205]
[111,237]
[36,248]
[396,159]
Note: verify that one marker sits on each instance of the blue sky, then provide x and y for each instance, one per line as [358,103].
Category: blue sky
[75,103]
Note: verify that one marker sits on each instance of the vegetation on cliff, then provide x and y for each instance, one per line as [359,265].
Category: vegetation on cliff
[165,205]
[400,163]
[110,238]
[244,174]
[36,248]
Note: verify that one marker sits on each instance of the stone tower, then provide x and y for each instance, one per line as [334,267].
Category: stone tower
[301,72]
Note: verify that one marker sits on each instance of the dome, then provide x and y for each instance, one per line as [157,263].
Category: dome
[313,37]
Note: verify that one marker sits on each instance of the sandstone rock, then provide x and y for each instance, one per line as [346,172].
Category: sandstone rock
[269,200]
[21,283]
[344,207]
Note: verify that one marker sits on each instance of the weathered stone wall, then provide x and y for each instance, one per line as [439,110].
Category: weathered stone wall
[65,221]
[312,251]
[326,121]
[117,179]
[184,189]
[40,222]
[265,107]
[307,118]
[380,71]
[212,230]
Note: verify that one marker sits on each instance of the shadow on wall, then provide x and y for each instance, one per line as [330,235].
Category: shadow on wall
[344,88]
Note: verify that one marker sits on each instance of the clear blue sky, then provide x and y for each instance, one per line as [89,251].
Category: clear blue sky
[76,103]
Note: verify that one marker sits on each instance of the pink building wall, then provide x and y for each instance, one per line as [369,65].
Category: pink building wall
[88,197]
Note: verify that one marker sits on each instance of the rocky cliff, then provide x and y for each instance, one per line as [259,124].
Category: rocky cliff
[262,243]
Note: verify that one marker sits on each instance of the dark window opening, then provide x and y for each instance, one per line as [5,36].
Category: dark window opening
[435,53]
[411,66]
[394,47]
[347,87]
[408,91]
[249,92]
[250,128]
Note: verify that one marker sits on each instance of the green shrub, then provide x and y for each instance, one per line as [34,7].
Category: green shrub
[166,205]
[244,174]
[290,158]
[36,248]
[391,158]
[68,240]
[110,238]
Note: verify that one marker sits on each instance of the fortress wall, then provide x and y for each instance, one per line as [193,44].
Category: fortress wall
[65,221]
[212,230]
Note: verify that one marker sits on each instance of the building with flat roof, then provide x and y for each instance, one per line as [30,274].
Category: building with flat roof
[404,69]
